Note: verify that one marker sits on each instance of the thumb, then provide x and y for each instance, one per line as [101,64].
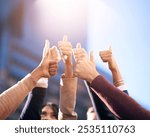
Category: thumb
[110,49]
[65,38]
[46,47]
[53,51]
[78,46]
[92,57]
[48,54]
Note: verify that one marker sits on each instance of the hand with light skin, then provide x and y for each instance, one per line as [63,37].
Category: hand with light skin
[108,57]
[48,65]
[85,67]
[79,53]
[66,51]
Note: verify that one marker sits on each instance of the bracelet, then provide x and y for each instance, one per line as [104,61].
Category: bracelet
[119,82]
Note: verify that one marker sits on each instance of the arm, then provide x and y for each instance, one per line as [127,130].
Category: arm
[117,102]
[33,106]
[11,98]
[100,108]
[68,84]
[108,57]
[68,87]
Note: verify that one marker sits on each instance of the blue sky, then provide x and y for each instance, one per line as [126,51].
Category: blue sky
[124,24]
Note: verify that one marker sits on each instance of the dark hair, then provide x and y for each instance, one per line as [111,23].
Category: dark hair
[53,106]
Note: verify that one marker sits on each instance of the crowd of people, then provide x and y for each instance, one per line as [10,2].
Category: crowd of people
[109,101]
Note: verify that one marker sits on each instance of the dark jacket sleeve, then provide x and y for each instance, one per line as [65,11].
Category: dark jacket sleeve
[100,108]
[119,103]
[33,105]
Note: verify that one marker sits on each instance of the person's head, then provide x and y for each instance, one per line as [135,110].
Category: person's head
[49,111]
[91,115]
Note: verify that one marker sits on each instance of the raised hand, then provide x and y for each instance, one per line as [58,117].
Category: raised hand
[108,57]
[85,68]
[49,63]
[66,52]
[79,53]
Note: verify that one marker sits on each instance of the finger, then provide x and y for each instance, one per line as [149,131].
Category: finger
[58,55]
[78,46]
[75,74]
[79,51]
[110,49]
[53,73]
[60,43]
[46,47]
[54,65]
[103,52]
[53,51]
[53,62]
[48,53]
[67,53]
[65,49]
[92,57]
[76,71]
[53,69]
[65,38]
[64,43]
[80,56]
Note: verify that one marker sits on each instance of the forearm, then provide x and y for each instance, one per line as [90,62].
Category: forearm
[11,98]
[68,67]
[117,78]
[37,73]
[68,71]
[68,98]
[120,104]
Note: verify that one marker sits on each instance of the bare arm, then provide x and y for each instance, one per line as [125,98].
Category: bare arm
[11,98]
[120,104]
[108,57]
[68,84]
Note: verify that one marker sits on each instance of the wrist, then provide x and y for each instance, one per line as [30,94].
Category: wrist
[68,71]
[37,73]
[68,61]
[113,69]
[112,65]
[92,76]
[118,83]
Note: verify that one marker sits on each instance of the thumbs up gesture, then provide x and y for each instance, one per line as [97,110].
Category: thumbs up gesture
[108,57]
[79,53]
[49,62]
[85,67]
[66,50]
